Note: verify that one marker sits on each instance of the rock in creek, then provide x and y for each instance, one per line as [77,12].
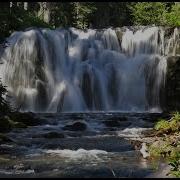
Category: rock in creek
[49,135]
[77,126]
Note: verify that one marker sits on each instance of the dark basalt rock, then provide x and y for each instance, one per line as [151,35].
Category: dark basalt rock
[4,139]
[115,123]
[123,118]
[136,144]
[19,125]
[5,124]
[77,126]
[172,83]
[28,119]
[156,117]
[49,135]
[111,123]
[149,133]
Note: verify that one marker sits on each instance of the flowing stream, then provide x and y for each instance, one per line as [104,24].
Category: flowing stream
[93,89]
[97,147]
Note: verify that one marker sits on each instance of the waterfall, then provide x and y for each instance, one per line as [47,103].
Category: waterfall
[92,70]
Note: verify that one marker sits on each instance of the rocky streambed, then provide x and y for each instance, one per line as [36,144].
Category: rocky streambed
[81,145]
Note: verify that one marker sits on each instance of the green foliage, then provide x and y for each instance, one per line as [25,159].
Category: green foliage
[161,124]
[176,116]
[4,106]
[148,13]
[4,26]
[158,13]
[114,14]
[86,14]
[173,17]
[172,125]
[81,13]
[61,15]
[168,146]
[175,163]
[20,19]
[176,173]
[16,18]
[157,148]
[78,14]
[164,148]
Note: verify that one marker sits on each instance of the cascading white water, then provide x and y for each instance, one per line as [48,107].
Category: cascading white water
[73,70]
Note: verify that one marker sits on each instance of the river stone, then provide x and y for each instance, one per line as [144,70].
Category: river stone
[113,123]
[5,124]
[54,135]
[29,119]
[49,135]
[136,144]
[18,125]
[123,118]
[4,139]
[77,126]
[149,133]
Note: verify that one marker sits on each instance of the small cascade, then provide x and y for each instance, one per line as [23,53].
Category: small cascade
[173,45]
[70,70]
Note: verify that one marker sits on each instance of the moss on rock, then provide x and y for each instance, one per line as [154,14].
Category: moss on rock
[169,126]
[168,146]
[5,124]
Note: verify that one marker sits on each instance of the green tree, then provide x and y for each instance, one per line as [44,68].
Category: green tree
[61,14]
[16,17]
[148,13]
[82,11]
[114,14]
[173,17]
[4,26]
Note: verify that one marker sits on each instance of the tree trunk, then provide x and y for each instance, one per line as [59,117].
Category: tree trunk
[10,4]
[76,4]
[26,6]
[47,12]
[18,4]
[44,11]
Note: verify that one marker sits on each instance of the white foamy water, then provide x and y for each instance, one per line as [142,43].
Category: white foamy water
[134,132]
[78,154]
[15,172]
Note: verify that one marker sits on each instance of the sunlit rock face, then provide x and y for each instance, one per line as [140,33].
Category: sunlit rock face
[62,70]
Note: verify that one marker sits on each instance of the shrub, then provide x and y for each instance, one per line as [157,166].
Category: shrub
[173,124]
[4,106]
[173,17]
[148,13]
[162,125]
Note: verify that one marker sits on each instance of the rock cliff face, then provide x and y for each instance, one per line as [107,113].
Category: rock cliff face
[173,72]
[173,83]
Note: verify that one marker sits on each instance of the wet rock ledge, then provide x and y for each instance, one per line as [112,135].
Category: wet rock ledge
[18,120]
